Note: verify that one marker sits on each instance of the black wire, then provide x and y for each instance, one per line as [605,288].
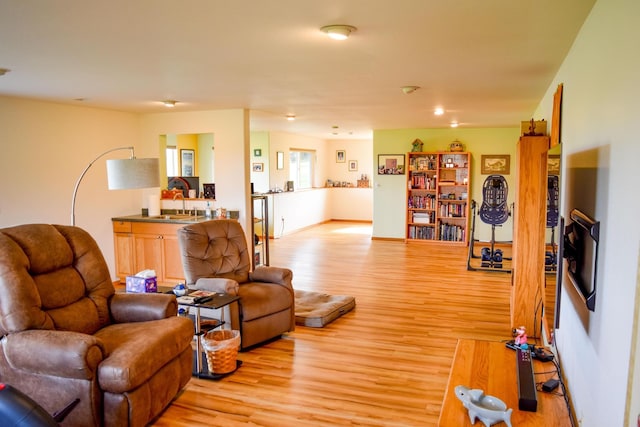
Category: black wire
[564,392]
[535,311]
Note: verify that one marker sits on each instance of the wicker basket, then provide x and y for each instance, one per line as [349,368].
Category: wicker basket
[221,348]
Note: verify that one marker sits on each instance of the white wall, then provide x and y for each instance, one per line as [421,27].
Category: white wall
[45,146]
[230,129]
[285,142]
[600,113]
[360,151]
[260,180]
[354,204]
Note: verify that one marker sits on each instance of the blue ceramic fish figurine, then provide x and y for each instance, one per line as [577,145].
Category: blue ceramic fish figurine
[488,409]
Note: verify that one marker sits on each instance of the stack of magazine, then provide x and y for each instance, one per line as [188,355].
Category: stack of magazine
[193,297]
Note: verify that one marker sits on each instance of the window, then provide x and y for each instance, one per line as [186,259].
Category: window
[172,161]
[301,168]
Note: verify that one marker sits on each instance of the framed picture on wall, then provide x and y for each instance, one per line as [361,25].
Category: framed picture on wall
[341,156]
[257,152]
[353,165]
[390,164]
[186,162]
[258,167]
[495,164]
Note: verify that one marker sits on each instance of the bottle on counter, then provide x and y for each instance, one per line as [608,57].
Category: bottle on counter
[207,211]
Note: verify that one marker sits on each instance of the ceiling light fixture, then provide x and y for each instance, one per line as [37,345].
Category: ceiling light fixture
[438,111]
[169,103]
[409,89]
[454,124]
[291,117]
[338,32]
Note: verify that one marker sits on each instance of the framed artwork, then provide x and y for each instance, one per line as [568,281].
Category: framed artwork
[257,152]
[553,164]
[341,156]
[353,165]
[280,160]
[209,191]
[495,164]
[390,164]
[186,162]
[258,167]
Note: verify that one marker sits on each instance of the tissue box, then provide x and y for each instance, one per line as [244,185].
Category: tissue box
[138,284]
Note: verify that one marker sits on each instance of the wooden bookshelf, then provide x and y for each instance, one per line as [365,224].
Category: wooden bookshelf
[437,197]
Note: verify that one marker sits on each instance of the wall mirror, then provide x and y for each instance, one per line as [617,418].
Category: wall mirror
[553,234]
[201,158]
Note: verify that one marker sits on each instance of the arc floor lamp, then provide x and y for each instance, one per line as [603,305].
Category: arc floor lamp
[123,174]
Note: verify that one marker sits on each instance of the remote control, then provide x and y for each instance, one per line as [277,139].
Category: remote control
[202,300]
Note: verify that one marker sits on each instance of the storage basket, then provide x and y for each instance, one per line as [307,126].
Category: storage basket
[221,348]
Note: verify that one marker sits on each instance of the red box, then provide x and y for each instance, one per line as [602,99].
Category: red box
[138,284]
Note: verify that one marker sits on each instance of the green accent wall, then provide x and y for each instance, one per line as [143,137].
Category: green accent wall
[390,191]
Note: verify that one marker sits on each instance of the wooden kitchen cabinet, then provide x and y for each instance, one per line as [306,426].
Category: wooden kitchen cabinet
[123,246]
[145,245]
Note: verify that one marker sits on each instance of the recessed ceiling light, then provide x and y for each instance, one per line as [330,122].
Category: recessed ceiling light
[169,103]
[438,111]
[338,32]
[291,117]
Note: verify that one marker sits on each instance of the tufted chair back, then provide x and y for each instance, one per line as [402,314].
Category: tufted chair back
[215,249]
[52,277]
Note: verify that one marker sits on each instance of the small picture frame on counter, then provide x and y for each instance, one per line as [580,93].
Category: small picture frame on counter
[209,191]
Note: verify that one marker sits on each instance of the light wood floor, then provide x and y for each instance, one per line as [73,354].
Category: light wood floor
[384,364]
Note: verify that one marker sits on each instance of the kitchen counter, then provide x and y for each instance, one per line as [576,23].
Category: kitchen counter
[169,218]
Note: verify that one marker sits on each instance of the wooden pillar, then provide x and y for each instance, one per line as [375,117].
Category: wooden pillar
[529,233]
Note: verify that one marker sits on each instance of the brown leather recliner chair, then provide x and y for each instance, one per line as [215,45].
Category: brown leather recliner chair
[67,335]
[218,249]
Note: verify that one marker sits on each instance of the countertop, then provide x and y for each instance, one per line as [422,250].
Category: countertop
[164,218]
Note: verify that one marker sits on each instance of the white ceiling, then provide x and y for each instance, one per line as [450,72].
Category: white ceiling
[487,62]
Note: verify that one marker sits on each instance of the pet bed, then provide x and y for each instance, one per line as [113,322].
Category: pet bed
[315,309]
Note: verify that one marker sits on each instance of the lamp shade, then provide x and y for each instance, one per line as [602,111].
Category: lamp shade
[123,174]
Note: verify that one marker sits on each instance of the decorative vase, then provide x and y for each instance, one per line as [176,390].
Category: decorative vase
[456,146]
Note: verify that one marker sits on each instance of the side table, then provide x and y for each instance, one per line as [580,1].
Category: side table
[218,301]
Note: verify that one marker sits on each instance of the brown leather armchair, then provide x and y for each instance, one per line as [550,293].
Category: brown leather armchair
[66,333]
[218,249]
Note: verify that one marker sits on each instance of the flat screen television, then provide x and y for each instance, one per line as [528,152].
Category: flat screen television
[580,250]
